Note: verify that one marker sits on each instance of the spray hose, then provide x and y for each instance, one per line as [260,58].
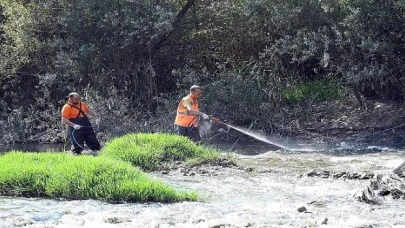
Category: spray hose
[115,131]
[192,122]
[73,136]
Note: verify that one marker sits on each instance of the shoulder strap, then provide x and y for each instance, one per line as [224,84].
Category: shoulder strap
[80,109]
[188,98]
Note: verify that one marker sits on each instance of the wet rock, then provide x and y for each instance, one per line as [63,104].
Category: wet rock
[264,170]
[203,171]
[325,174]
[165,172]
[367,196]
[399,169]
[222,226]
[224,162]
[21,222]
[366,176]
[397,193]
[312,173]
[336,175]
[116,220]
[353,176]
[384,192]
[302,209]
[198,221]
[323,221]
[320,204]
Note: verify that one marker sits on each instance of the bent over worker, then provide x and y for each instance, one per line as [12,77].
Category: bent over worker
[80,130]
[186,122]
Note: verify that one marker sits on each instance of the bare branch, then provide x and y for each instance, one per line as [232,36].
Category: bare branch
[176,22]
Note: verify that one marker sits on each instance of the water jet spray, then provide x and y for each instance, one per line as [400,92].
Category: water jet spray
[264,138]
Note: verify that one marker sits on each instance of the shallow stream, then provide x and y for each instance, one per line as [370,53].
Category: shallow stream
[268,196]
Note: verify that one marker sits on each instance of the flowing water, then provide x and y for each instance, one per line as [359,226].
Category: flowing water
[269,196]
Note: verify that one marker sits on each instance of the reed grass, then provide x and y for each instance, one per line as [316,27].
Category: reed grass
[59,175]
[150,151]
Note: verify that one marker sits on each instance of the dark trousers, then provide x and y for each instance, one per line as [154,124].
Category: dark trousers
[191,132]
[83,135]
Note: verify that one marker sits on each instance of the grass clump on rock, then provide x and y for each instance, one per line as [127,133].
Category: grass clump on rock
[150,151]
[59,175]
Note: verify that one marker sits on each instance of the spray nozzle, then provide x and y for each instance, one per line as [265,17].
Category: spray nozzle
[216,120]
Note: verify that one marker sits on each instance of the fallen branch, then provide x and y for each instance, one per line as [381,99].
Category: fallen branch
[384,185]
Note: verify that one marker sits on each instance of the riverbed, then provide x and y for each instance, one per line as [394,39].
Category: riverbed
[269,194]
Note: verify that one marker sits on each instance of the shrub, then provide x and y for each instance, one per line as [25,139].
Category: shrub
[319,90]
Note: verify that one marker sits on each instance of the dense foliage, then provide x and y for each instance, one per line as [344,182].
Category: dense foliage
[133,60]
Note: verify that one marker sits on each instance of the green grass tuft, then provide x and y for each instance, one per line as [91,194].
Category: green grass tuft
[150,151]
[59,175]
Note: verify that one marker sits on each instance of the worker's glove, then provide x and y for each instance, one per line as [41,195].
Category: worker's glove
[97,121]
[205,116]
[77,127]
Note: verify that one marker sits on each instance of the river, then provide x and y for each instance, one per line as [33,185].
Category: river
[269,196]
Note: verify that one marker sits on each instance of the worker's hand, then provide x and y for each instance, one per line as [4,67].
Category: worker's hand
[97,121]
[205,116]
[77,127]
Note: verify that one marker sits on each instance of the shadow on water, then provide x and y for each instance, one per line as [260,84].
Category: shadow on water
[255,147]
[250,148]
[258,147]
[264,143]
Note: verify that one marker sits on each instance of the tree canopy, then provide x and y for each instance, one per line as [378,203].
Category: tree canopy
[145,53]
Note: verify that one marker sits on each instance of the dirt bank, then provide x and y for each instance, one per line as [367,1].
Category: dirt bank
[374,122]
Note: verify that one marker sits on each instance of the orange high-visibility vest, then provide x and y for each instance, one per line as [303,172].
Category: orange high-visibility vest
[71,111]
[184,118]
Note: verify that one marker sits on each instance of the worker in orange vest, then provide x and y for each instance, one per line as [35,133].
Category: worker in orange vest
[74,115]
[188,113]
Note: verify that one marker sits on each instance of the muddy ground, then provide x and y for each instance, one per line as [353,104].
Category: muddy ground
[374,121]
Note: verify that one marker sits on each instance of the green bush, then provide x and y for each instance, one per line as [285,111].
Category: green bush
[319,90]
[83,177]
[149,151]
